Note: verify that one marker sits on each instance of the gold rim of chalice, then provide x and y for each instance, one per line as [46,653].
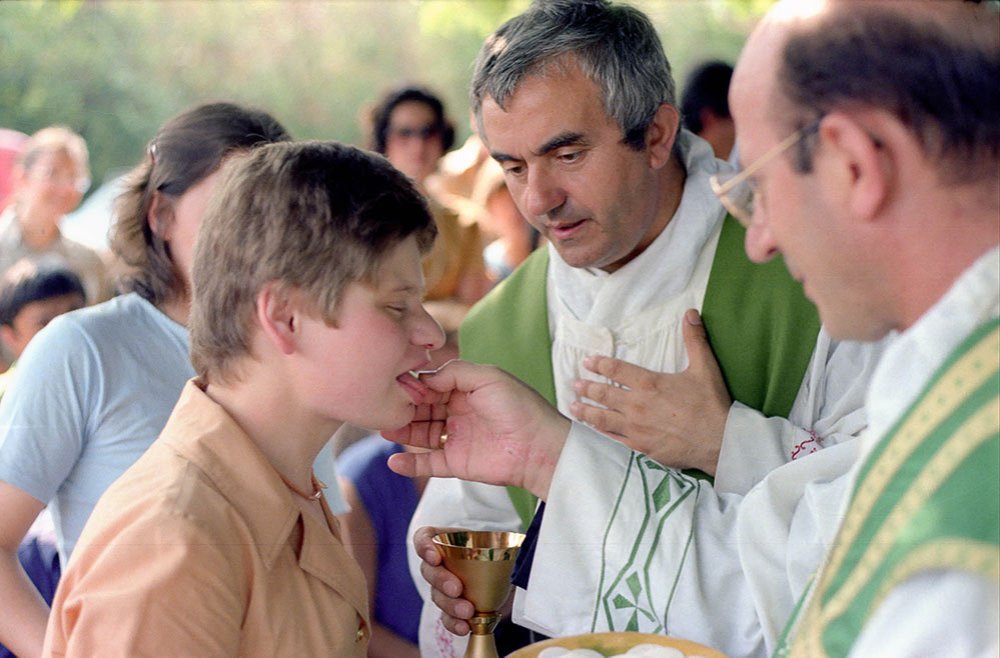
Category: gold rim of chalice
[487,545]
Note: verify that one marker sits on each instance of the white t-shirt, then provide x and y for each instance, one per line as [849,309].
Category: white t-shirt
[90,394]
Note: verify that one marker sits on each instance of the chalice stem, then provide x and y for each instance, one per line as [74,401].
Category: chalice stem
[482,644]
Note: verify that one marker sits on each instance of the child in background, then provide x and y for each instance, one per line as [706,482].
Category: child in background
[307,314]
[32,294]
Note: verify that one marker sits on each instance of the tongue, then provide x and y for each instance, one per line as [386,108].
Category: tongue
[413,386]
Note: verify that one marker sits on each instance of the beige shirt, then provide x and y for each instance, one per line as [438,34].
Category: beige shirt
[199,549]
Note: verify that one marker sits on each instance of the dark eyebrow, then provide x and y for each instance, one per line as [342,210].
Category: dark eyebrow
[557,142]
[502,157]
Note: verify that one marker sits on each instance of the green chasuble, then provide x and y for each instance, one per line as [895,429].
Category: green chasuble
[927,498]
[761,327]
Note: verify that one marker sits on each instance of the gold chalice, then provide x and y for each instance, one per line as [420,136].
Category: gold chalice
[483,560]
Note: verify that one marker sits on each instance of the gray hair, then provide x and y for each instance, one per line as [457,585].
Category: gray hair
[616,46]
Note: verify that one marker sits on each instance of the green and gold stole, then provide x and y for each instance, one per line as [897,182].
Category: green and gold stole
[928,497]
[761,327]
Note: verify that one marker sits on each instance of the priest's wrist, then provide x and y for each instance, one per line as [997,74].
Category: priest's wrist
[546,448]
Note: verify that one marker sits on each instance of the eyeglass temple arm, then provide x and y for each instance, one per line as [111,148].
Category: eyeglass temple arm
[764,159]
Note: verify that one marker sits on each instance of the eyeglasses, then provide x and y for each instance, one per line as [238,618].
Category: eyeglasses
[424,132]
[737,191]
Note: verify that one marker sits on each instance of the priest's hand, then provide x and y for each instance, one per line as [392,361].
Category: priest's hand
[677,419]
[446,588]
[482,424]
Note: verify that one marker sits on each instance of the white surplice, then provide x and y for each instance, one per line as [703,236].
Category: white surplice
[732,568]
[636,314]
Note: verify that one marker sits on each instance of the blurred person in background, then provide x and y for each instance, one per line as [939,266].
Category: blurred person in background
[705,106]
[33,294]
[469,180]
[511,237]
[458,169]
[95,388]
[48,181]
[11,144]
[410,128]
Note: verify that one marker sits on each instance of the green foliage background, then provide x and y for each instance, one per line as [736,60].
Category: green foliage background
[114,70]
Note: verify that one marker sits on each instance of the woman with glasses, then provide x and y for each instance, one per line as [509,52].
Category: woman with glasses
[49,180]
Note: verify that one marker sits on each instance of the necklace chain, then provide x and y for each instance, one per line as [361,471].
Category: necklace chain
[317,486]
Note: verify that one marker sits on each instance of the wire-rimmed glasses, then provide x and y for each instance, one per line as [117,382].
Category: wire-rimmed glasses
[737,191]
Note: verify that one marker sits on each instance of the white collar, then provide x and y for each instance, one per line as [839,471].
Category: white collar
[918,352]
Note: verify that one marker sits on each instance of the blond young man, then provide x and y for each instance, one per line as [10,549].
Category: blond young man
[307,314]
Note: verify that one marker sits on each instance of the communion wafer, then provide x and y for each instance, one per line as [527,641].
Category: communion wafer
[638,651]
[562,652]
[651,651]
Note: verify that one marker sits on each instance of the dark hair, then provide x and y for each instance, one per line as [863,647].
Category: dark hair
[707,86]
[312,216]
[382,114]
[941,79]
[27,282]
[188,148]
[616,46]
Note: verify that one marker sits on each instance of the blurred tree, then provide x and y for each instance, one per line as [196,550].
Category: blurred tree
[53,73]
[115,70]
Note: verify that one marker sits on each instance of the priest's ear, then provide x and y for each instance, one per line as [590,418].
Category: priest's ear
[661,135]
[861,159]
